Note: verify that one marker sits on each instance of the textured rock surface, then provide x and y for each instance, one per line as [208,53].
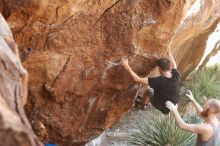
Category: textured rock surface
[189,41]
[72,48]
[15,129]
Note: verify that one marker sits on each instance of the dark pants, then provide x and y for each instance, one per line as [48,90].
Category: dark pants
[156,103]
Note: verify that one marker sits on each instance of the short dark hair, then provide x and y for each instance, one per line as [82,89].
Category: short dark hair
[164,64]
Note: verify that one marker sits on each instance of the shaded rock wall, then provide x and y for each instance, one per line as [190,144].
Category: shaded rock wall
[72,48]
[189,41]
[15,129]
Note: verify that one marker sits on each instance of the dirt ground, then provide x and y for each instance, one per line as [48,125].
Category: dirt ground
[120,133]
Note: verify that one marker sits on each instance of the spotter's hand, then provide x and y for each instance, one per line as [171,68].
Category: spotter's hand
[171,106]
[189,95]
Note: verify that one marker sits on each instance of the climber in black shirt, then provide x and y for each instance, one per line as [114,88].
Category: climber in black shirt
[163,88]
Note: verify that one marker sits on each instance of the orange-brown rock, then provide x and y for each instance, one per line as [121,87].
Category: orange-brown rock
[15,129]
[72,50]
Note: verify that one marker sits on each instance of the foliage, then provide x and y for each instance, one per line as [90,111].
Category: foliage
[161,130]
[205,82]
[192,119]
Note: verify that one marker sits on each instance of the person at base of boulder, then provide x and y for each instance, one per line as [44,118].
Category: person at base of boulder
[208,131]
[163,88]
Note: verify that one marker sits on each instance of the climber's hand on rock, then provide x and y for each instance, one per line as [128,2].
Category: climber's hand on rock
[189,95]
[124,62]
[171,106]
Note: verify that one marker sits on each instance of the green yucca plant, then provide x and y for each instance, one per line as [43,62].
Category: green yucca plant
[161,130]
[205,82]
[192,118]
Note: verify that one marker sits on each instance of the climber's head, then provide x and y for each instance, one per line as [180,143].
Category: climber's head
[164,64]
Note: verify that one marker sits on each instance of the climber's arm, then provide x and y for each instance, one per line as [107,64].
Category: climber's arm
[133,74]
[172,59]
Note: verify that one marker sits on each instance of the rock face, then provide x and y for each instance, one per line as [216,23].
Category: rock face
[72,50]
[15,129]
[189,41]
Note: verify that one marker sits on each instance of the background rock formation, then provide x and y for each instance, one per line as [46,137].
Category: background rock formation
[189,41]
[72,51]
[15,129]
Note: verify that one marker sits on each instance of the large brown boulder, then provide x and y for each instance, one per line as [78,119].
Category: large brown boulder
[72,51]
[15,129]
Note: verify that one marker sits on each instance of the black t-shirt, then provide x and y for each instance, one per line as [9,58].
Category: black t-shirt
[165,89]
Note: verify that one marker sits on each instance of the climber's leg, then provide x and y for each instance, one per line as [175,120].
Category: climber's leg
[148,95]
[138,101]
